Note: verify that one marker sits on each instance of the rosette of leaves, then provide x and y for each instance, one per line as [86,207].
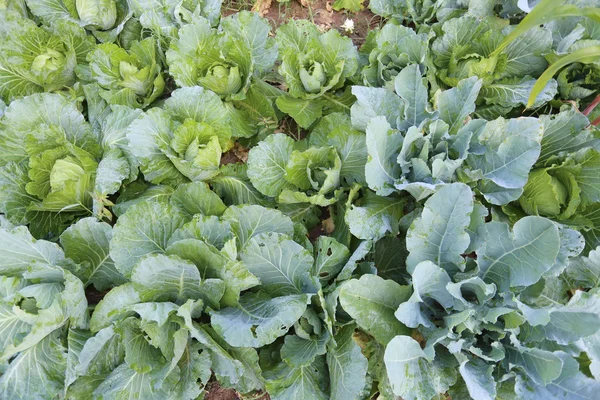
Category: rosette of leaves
[486,328]
[467,47]
[576,81]
[182,141]
[425,12]
[39,59]
[49,163]
[390,50]
[315,171]
[43,308]
[104,18]
[282,168]
[415,148]
[253,273]
[416,11]
[126,77]
[164,18]
[563,184]
[231,62]
[315,67]
[57,167]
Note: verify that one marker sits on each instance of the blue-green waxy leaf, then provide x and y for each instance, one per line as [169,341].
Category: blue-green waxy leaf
[564,132]
[570,385]
[375,216]
[297,351]
[209,229]
[20,250]
[234,187]
[430,282]
[347,366]
[383,145]
[540,365]
[158,277]
[197,198]
[479,380]
[584,271]
[372,301]
[258,319]
[214,264]
[521,257]
[37,372]
[330,258]
[454,105]
[248,221]
[510,148]
[440,234]
[564,325]
[515,92]
[304,111]
[412,375]
[410,87]
[373,102]
[304,382]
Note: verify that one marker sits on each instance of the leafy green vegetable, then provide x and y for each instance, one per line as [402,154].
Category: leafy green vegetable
[104,18]
[191,201]
[229,61]
[39,59]
[315,66]
[127,77]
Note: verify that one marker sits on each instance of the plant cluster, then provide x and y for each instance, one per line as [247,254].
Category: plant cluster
[187,197]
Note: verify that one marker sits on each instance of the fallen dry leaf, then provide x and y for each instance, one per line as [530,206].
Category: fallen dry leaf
[262,7]
[328,225]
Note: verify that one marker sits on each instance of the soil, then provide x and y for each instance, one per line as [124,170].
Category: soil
[318,11]
[216,392]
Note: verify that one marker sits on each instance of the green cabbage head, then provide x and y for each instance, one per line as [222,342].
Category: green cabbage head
[127,77]
[544,194]
[48,164]
[222,79]
[98,13]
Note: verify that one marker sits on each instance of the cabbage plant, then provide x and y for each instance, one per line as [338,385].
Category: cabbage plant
[472,47]
[315,67]
[165,17]
[182,141]
[57,168]
[393,48]
[229,61]
[105,19]
[39,59]
[126,77]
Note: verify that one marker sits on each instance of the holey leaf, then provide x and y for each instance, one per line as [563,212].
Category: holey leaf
[521,257]
[440,234]
[258,319]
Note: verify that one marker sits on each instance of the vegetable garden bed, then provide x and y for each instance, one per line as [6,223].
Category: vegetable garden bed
[304,200]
